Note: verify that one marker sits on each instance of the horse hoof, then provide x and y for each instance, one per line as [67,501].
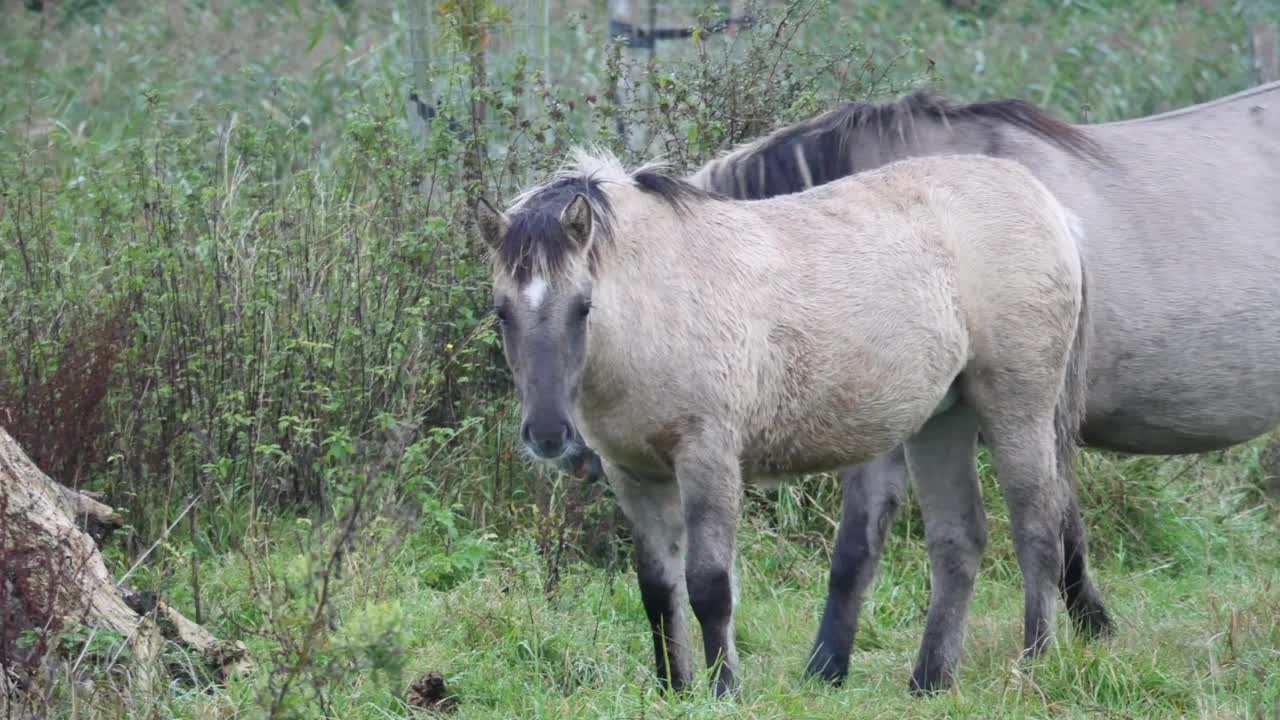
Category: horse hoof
[726,685]
[828,668]
[925,683]
[1093,623]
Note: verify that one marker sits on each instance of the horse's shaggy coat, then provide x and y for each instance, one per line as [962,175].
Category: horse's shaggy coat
[696,341]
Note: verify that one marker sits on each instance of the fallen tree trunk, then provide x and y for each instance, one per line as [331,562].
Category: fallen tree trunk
[53,577]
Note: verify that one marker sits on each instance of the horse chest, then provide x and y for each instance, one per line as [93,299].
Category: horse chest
[646,447]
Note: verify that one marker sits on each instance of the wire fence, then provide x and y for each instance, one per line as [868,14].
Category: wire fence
[563,40]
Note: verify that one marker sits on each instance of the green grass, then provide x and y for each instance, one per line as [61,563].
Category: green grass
[1185,551]
[88,77]
[227,270]
[1198,626]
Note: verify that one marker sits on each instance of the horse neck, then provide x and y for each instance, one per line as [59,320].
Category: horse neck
[659,260]
[768,168]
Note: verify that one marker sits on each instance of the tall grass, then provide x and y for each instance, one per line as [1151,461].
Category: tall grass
[232,272]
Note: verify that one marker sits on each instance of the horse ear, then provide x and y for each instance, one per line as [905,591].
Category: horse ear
[493,223]
[576,219]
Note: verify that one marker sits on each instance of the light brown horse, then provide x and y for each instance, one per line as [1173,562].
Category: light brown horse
[696,341]
[1181,218]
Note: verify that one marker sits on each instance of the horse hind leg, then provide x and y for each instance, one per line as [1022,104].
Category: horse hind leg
[1016,414]
[871,494]
[1084,601]
[942,462]
[655,515]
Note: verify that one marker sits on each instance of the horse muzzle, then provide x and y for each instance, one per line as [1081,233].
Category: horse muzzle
[548,438]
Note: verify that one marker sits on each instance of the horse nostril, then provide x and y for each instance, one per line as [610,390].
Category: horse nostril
[548,439]
[550,446]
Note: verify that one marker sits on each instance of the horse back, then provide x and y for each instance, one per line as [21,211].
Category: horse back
[1183,243]
[904,278]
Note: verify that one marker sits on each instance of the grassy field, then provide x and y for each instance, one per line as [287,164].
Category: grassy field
[1194,594]
[242,300]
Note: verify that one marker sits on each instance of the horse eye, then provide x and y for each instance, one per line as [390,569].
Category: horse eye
[501,312]
[584,308]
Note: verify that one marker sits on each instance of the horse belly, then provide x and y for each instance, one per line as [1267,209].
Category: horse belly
[1188,367]
[845,434]
[1184,258]
[1194,395]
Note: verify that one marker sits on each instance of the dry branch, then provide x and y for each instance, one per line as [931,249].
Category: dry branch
[52,575]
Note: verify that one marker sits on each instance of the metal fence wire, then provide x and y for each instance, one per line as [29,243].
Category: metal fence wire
[563,39]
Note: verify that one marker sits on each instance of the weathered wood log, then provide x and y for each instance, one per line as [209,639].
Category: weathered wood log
[52,575]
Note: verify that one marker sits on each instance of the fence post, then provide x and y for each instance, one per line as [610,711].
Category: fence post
[418,52]
[546,41]
[630,91]
[473,25]
[1264,59]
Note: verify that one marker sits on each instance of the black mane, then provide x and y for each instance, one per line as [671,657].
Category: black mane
[676,191]
[770,167]
[536,239]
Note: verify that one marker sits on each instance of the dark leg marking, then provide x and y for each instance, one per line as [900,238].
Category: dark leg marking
[1084,601]
[871,493]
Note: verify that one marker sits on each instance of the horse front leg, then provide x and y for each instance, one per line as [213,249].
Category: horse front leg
[871,494]
[654,512]
[711,484]
[942,462]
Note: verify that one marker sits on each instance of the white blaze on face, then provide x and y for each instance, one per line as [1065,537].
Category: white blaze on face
[535,292]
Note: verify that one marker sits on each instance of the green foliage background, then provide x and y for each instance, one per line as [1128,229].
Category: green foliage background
[231,271]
